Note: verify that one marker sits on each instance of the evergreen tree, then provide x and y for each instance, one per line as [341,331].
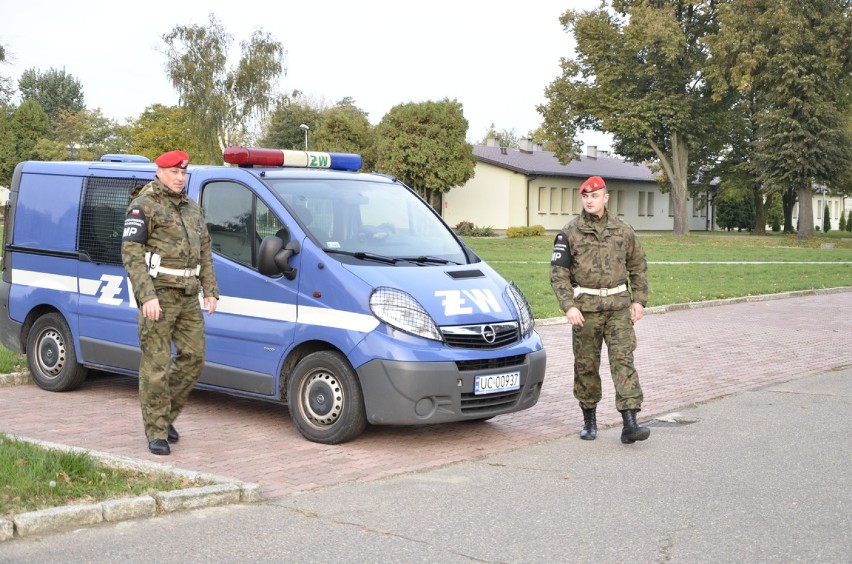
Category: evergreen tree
[826,219]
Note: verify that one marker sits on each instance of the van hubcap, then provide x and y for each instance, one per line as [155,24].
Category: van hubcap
[322,398]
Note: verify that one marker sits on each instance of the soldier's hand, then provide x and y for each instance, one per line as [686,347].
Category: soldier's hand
[151,309]
[210,304]
[575,317]
[636,312]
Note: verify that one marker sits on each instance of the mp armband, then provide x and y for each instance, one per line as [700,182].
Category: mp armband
[561,251]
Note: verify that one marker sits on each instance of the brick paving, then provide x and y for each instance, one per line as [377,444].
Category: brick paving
[685,356]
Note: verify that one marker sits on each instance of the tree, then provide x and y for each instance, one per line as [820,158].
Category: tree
[24,127]
[224,104]
[423,144]
[826,219]
[793,56]
[346,129]
[734,208]
[842,222]
[6,89]
[282,128]
[54,90]
[505,137]
[849,221]
[637,75]
[164,128]
[8,157]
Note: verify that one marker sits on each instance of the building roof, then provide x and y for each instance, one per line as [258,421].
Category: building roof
[544,163]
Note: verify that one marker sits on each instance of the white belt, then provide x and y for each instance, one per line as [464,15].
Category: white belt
[185,272]
[602,292]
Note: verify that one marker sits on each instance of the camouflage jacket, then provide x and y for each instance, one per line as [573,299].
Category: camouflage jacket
[172,225]
[598,253]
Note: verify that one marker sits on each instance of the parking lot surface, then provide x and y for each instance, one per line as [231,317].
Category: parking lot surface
[685,356]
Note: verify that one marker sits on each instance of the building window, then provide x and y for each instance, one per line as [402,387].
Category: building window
[576,206]
[555,201]
[671,205]
[641,204]
[819,209]
[566,201]
[543,204]
[650,203]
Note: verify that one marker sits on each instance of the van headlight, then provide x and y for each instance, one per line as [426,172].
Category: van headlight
[401,311]
[522,307]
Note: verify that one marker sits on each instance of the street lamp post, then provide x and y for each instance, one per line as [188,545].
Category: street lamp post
[305,128]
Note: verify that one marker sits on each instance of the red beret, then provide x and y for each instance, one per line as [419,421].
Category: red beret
[171,159]
[593,184]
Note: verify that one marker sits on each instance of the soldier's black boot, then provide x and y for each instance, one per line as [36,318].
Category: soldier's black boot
[632,432]
[590,424]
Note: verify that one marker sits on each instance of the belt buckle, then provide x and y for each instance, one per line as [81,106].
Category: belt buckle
[603,292]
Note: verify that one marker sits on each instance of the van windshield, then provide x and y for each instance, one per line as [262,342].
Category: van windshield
[366,219]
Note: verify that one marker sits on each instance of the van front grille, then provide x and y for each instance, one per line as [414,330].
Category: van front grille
[482,336]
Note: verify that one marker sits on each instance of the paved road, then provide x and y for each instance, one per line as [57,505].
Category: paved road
[758,475]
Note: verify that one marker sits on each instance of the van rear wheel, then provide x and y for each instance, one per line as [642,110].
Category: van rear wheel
[51,356]
[325,399]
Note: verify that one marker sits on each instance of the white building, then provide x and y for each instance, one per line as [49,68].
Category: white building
[528,186]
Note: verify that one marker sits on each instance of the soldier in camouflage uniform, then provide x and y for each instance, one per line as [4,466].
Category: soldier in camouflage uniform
[166,252]
[594,257]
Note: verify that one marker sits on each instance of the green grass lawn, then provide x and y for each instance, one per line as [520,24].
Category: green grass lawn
[678,271]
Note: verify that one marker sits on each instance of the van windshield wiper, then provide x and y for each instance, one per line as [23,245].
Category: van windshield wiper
[363,256]
[425,259]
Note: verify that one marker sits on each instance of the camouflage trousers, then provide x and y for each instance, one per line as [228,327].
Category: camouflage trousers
[616,329]
[165,380]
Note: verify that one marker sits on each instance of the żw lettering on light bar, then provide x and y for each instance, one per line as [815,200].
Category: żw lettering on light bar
[252,156]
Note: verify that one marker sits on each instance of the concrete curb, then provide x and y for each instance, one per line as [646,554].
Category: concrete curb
[15,379]
[222,491]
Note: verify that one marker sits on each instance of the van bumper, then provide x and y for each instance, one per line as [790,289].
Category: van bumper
[414,393]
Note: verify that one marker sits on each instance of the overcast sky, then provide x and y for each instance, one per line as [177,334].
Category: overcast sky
[494,56]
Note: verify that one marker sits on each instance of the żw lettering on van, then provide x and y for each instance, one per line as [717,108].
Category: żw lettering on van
[454,301]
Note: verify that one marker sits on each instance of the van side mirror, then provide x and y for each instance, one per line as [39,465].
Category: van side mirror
[274,255]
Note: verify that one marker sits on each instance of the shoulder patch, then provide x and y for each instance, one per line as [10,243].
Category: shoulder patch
[561,252]
[135,226]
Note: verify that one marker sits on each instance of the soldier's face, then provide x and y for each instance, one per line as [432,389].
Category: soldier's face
[174,177]
[595,202]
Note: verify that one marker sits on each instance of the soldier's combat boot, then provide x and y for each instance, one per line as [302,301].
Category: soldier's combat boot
[632,432]
[590,424]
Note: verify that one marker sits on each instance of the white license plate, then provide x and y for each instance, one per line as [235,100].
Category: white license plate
[493,383]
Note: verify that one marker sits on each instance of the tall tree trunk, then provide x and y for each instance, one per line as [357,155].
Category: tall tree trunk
[806,212]
[676,169]
[759,211]
[788,202]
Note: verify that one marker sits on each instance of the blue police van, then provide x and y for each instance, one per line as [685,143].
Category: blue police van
[343,293]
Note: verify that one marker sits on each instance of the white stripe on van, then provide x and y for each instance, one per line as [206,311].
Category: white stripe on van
[256,308]
[44,280]
[337,319]
[233,305]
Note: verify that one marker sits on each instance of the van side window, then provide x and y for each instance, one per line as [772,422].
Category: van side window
[237,221]
[105,202]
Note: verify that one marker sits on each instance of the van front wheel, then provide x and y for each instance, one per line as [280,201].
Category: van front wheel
[51,355]
[325,399]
